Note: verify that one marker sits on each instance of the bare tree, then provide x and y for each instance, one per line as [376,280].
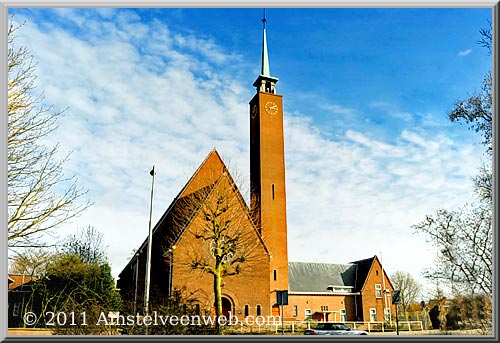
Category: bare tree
[477,110]
[409,287]
[223,237]
[464,239]
[483,183]
[88,244]
[40,196]
[486,37]
[32,262]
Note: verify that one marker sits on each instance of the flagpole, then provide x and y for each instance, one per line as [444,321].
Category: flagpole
[148,262]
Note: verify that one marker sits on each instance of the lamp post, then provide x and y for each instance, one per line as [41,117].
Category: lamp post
[136,279]
[171,253]
[148,262]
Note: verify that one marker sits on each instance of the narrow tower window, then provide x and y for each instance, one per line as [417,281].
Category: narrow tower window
[246,310]
[273,191]
[258,310]
[275,275]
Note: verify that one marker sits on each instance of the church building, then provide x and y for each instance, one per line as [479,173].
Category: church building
[210,215]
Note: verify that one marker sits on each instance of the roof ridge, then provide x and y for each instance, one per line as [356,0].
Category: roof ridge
[327,263]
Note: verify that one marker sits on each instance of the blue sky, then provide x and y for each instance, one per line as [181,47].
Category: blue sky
[368,146]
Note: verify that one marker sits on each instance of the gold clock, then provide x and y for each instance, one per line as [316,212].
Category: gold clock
[254,111]
[271,107]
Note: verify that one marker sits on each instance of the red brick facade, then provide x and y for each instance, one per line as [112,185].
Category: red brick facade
[320,307]
[176,246]
[371,299]
[349,292]
[267,182]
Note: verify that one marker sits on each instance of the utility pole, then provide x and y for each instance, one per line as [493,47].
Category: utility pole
[148,262]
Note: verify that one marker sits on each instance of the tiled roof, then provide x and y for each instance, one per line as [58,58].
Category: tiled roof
[317,277]
[311,277]
[16,280]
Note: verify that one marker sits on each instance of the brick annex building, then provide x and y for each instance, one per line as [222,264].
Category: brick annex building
[357,291]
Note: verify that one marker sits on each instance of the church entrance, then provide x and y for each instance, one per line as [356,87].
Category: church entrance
[226,307]
[276,310]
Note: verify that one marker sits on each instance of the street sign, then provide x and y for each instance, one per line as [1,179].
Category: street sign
[396,297]
[282,297]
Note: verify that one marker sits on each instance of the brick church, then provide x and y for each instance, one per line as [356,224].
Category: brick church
[210,214]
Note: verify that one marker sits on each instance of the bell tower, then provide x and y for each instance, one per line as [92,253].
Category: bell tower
[267,171]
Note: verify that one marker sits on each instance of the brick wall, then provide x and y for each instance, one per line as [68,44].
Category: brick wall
[317,303]
[249,287]
[368,293]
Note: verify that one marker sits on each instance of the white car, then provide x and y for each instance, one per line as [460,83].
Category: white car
[333,329]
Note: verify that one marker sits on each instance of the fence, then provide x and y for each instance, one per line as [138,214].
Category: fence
[299,326]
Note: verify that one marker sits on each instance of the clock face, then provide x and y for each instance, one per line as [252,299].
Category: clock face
[254,111]
[271,107]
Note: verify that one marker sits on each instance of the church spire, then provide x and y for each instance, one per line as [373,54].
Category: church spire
[265,56]
[265,82]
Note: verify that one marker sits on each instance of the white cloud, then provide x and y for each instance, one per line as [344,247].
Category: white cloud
[464,52]
[336,109]
[353,199]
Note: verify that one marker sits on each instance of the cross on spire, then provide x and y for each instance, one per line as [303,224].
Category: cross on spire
[265,57]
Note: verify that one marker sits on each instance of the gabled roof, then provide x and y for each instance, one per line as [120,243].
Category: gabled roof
[309,277]
[171,225]
[363,269]
[317,277]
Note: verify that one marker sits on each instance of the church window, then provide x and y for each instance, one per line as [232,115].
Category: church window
[246,310]
[275,275]
[258,310]
[273,191]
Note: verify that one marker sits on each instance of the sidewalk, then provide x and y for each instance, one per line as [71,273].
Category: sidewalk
[428,332]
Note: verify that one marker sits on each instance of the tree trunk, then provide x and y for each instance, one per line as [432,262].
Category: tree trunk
[218,297]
